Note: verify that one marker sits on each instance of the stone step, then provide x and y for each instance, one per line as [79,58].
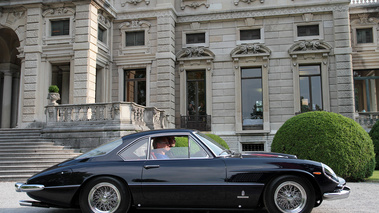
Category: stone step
[55,150]
[31,163]
[39,167]
[14,178]
[37,155]
[26,143]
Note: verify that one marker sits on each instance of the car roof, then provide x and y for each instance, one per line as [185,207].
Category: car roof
[160,131]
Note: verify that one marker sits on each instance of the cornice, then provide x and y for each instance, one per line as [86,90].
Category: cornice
[129,15]
[259,12]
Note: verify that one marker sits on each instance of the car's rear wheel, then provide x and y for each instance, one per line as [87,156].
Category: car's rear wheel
[105,195]
[289,194]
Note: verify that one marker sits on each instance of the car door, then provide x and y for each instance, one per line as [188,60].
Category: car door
[195,179]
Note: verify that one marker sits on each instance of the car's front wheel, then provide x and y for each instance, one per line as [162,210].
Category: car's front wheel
[105,195]
[289,194]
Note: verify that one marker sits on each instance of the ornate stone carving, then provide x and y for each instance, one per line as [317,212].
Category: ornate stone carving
[195,52]
[104,19]
[194,4]
[310,46]
[251,50]
[58,11]
[363,19]
[236,2]
[135,2]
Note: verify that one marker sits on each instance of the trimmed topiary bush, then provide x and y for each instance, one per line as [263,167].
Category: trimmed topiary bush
[53,88]
[330,138]
[374,134]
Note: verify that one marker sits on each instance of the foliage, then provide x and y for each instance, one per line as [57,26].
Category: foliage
[182,141]
[327,137]
[374,177]
[53,88]
[374,134]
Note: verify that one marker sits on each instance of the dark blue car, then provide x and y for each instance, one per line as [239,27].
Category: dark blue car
[178,169]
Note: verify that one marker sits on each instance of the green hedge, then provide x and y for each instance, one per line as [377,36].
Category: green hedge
[374,134]
[182,141]
[327,137]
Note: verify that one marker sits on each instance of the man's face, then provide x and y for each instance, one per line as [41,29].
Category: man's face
[163,144]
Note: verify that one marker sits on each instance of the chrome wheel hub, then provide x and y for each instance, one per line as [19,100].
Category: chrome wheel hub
[290,197]
[104,198]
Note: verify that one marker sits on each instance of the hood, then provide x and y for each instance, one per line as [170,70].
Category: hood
[267,155]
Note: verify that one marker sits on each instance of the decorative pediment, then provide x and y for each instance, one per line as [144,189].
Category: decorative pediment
[134,2]
[195,53]
[194,4]
[250,50]
[58,11]
[314,46]
[236,2]
[104,19]
[364,19]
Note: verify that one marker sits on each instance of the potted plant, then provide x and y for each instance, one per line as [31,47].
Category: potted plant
[53,95]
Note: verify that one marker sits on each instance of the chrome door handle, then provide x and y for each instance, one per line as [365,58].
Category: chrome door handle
[151,166]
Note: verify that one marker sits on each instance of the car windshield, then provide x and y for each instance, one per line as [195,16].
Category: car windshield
[102,150]
[216,148]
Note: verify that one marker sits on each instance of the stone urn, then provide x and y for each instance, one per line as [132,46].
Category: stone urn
[53,97]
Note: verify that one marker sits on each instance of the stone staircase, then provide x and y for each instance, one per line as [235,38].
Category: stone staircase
[23,153]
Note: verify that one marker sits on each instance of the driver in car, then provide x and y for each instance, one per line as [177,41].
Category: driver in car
[161,146]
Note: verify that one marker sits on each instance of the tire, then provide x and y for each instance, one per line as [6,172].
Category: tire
[289,194]
[105,195]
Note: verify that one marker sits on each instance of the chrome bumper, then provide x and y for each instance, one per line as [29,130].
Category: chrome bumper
[22,187]
[341,192]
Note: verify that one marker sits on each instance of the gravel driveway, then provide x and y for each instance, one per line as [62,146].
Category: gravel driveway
[363,198]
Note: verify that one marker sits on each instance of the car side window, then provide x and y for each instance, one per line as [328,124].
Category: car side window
[137,151]
[176,147]
[196,150]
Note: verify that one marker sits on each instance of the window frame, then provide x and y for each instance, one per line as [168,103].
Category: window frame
[135,35]
[134,80]
[150,147]
[184,40]
[309,77]
[135,26]
[265,97]
[320,30]
[239,41]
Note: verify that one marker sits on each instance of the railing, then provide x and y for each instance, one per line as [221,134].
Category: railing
[198,122]
[130,115]
[363,1]
[367,119]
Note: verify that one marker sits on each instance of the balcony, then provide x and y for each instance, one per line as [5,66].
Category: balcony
[198,122]
[367,119]
[117,115]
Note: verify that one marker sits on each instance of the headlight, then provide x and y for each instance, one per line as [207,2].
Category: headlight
[329,172]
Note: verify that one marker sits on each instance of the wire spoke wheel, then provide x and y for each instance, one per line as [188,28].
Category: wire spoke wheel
[290,197]
[289,194]
[104,197]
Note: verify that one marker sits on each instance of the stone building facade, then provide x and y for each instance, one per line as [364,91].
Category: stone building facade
[235,68]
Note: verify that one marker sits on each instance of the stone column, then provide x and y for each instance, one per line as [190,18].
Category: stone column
[344,66]
[166,66]
[7,101]
[32,103]
[85,51]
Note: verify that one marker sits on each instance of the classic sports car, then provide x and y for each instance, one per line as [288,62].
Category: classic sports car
[175,169]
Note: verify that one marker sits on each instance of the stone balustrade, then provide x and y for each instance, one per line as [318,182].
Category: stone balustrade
[363,1]
[118,115]
[367,119]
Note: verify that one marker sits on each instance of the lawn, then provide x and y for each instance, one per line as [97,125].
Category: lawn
[374,177]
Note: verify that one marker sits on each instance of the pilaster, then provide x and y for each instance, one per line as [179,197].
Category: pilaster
[343,54]
[85,51]
[166,67]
